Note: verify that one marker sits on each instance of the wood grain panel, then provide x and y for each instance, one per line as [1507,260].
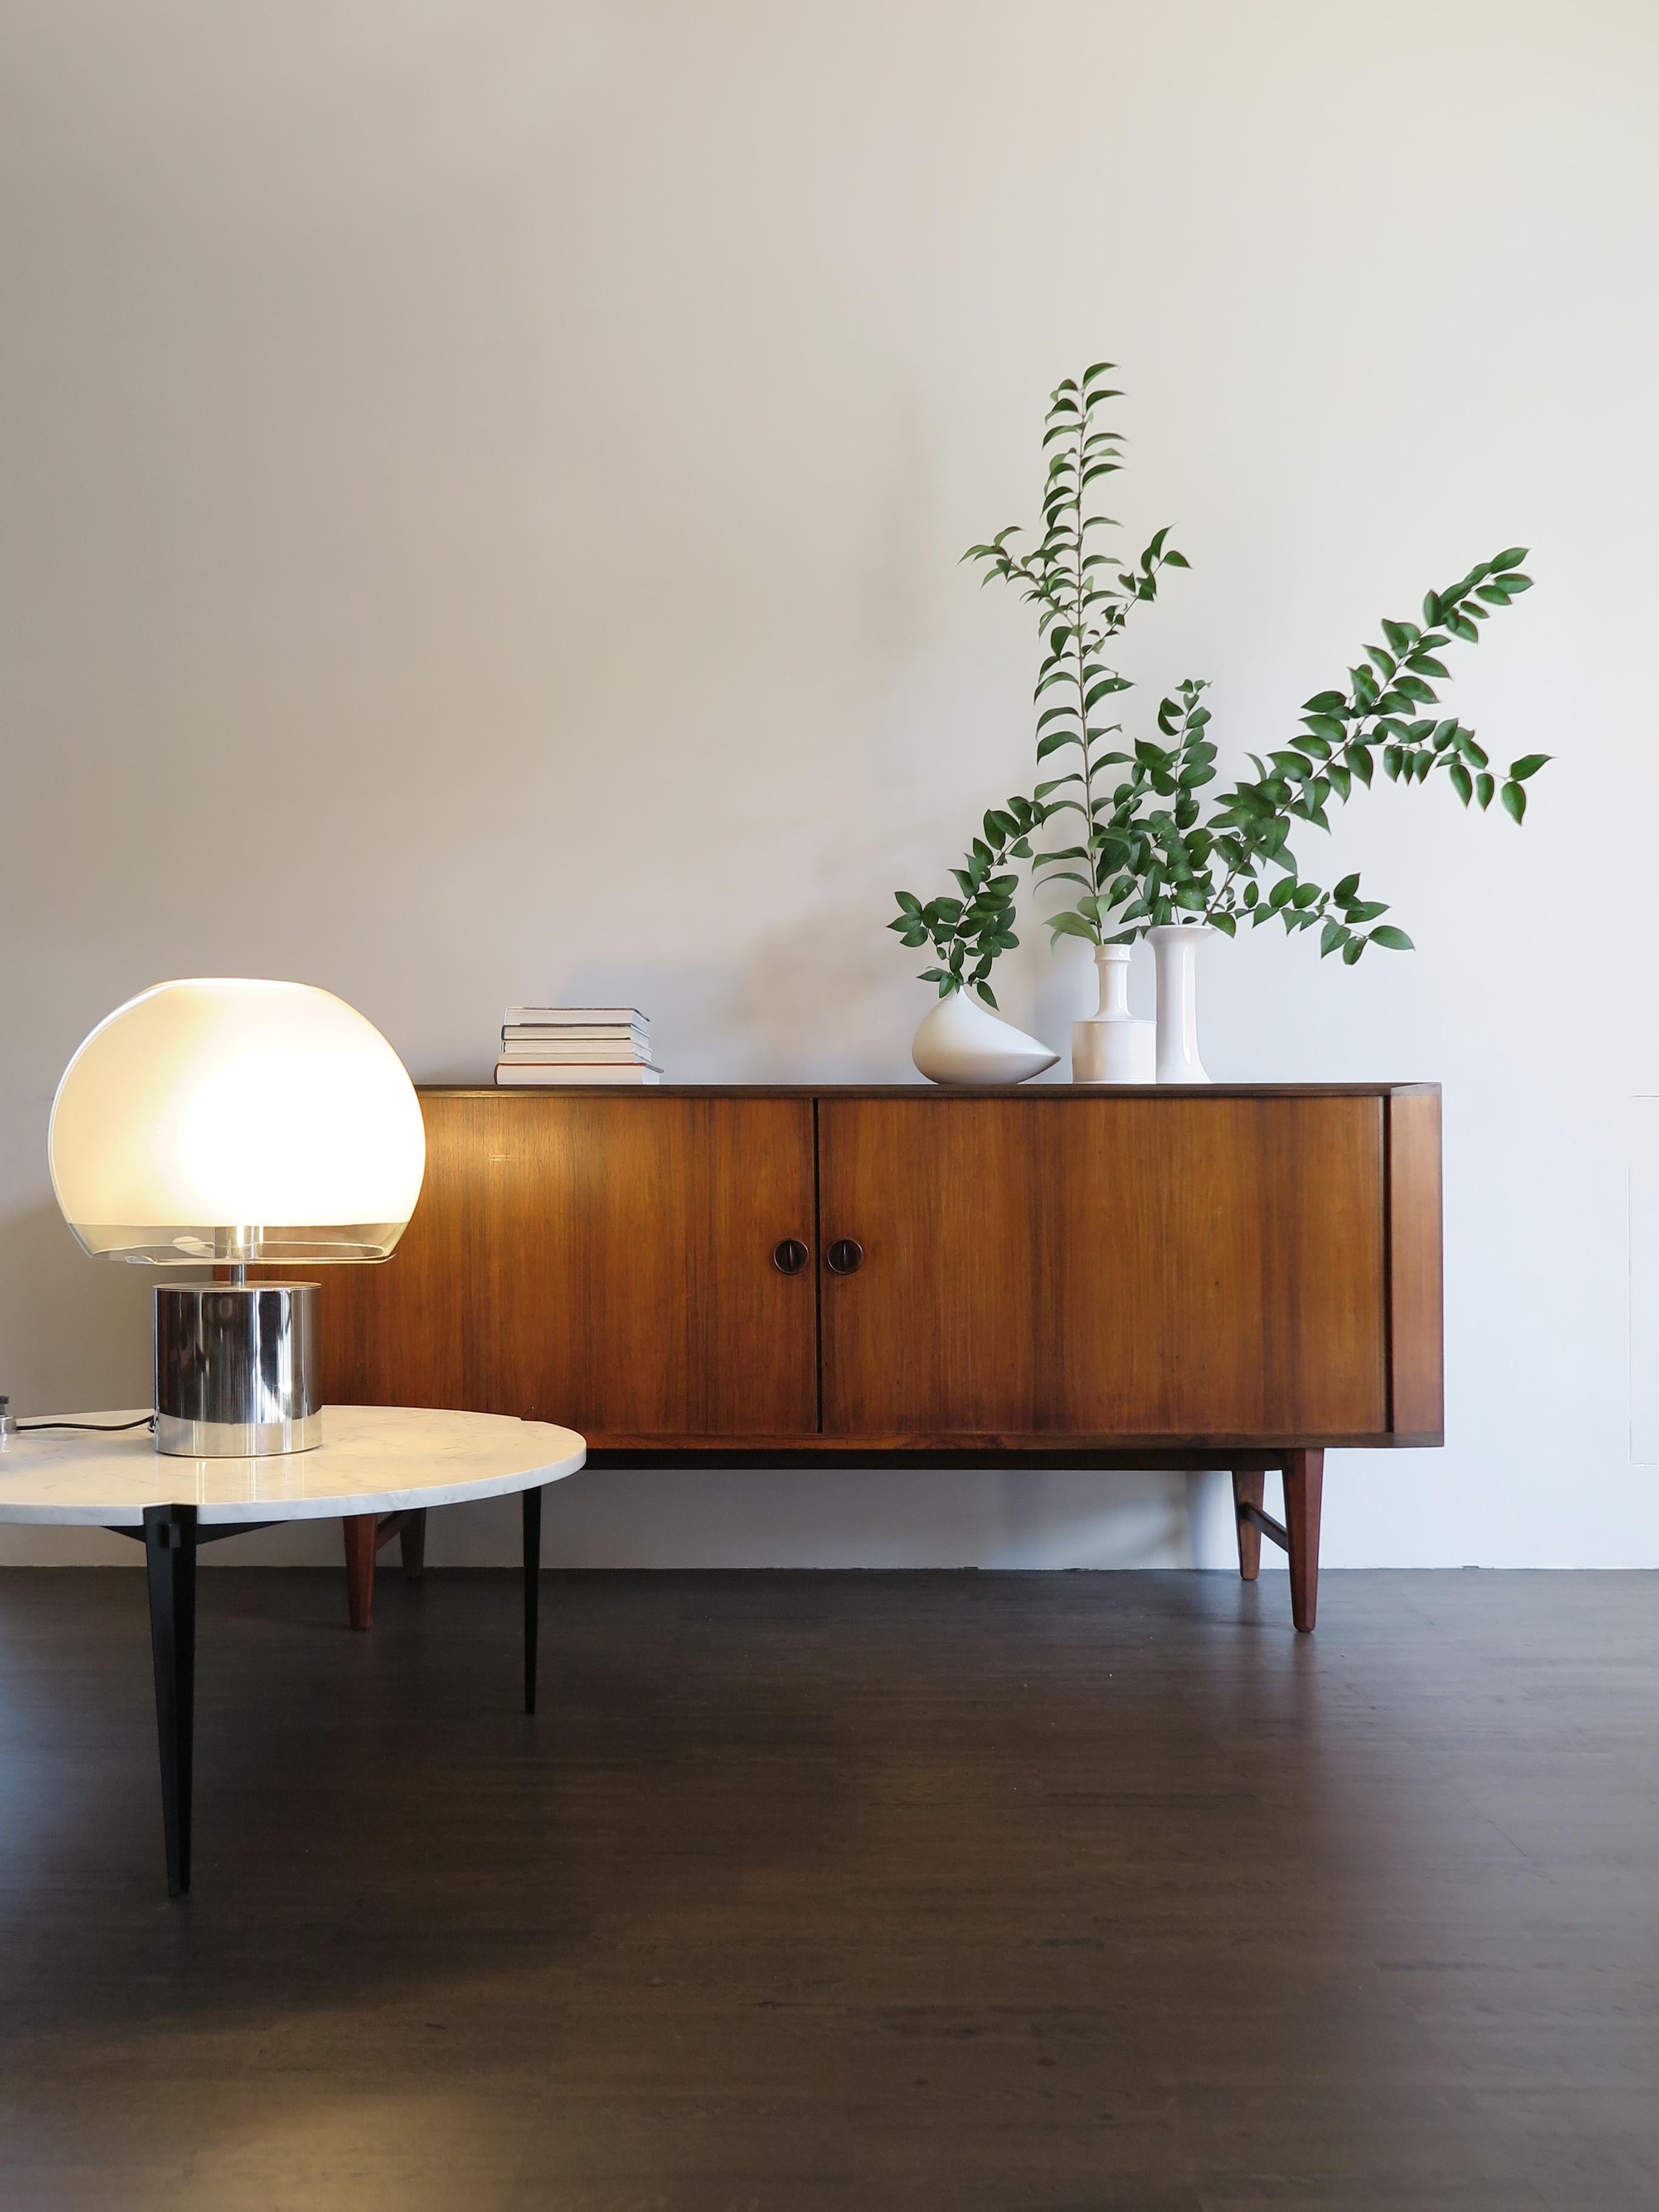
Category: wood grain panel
[1415,1296]
[601,1259]
[1150,1265]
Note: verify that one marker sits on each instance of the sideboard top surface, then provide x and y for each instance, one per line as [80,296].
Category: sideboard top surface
[923,1090]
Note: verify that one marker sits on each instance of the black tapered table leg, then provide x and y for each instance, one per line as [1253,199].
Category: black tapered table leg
[532,1590]
[170,1560]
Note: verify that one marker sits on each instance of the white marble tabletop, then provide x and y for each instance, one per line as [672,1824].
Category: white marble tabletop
[373,1459]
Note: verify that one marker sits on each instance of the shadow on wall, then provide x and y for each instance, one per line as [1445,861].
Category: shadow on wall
[799,1012]
[884,1517]
[80,1330]
[721,1021]
[79,1327]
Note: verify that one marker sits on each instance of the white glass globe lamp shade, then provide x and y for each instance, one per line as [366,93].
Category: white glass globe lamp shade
[239,1122]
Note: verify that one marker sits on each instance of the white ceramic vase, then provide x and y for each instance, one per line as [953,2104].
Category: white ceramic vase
[962,1040]
[1174,951]
[1112,1046]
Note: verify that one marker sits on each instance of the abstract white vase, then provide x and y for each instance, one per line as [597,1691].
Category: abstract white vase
[1111,1046]
[962,1040]
[1174,951]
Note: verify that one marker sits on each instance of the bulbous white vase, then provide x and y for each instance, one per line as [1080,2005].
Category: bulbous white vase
[1175,951]
[1111,1046]
[962,1040]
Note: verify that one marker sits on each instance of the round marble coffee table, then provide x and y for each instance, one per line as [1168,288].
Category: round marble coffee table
[373,1460]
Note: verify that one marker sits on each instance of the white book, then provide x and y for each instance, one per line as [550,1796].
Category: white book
[541,1072]
[522,1039]
[586,1053]
[562,1017]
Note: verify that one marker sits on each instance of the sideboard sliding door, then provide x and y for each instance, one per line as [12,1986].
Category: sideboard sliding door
[1200,1266]
[603,1259]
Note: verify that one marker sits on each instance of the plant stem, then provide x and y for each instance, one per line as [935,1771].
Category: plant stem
[1080,648]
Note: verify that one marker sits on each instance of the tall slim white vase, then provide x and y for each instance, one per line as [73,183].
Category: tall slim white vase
[1175,954]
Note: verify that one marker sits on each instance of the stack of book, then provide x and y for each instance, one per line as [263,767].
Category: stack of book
[576,1044]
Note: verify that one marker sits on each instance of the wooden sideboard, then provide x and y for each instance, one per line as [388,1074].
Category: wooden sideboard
[1234,1277]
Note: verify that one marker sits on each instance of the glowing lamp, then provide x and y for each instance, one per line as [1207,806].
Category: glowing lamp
[235,1123]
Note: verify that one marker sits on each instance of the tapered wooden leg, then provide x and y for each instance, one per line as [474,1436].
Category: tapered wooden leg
[411,1539]
[170,1558]
[1305,1484]
[358,1531]
[1250,1484]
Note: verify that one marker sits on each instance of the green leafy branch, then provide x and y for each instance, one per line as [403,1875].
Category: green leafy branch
[968,934]
[1344,735]
[1083,593]
[1147,850]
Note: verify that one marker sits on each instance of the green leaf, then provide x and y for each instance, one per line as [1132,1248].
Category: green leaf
[1053,741]
[1512,559]
[1529,764]
[1074,925]
[1484,788]
[1325,702]
[1462,782]
[1515,801]
[1332,934]
[1352,950]
[1107,685]
[1391,939]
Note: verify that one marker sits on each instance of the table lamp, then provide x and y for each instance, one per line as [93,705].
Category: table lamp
[234,1123]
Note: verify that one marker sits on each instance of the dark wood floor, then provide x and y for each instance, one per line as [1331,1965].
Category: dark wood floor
[823,1892]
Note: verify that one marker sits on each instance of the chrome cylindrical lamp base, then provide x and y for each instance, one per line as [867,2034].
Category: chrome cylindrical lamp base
[236,1369]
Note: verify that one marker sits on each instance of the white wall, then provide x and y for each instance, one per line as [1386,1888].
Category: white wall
[481,488]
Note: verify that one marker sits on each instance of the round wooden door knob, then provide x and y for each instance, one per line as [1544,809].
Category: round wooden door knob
[845,1256]
[790,1255]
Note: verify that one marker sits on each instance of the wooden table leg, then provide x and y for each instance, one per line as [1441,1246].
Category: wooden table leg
[170,1565]
[1250,1485]
[1305,1484]
[533,1591]
[359,1530]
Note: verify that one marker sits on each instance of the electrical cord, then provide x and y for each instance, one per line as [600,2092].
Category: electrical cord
[93,1428]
